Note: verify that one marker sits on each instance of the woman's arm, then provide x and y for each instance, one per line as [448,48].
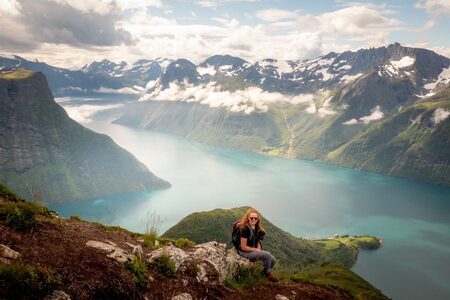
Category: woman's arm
[246,248]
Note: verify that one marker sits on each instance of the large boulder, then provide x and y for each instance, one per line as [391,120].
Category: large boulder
[211,260]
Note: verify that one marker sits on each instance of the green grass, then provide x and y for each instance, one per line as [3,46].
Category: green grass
[337,277]
[22,215]
[6,193]
[164,265]
[139,269]
[247,276]
[292,253]
[17,74]
[23,281]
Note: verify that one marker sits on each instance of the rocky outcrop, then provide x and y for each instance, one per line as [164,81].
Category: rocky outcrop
[7,254]
[225,264]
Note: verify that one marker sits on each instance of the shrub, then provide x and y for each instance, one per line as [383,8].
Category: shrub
[247,276]
[180,243]
[138,268]
[76,218]
[19,215]
[150,240]
[165,265]
[19,280]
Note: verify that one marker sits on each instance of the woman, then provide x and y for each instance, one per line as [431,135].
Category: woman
[250,247]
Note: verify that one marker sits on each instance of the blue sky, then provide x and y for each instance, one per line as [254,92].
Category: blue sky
[70,33]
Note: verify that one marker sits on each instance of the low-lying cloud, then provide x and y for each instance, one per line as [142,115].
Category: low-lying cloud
[376,114]
[251,99]
[85,113]
[439,115]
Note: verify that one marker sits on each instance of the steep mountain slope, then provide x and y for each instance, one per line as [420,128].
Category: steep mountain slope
[44,153]
[308,109]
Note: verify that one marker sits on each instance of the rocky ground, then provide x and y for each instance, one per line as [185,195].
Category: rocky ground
[87,261]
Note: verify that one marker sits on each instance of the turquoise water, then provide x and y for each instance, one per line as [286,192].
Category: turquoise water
[304,198]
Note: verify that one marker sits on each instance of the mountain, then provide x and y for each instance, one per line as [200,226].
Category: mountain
[354,109]
[99,78]
[292,253]
[43,255]
[45,154]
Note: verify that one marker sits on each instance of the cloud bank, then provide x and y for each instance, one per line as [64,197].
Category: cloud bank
[252,99]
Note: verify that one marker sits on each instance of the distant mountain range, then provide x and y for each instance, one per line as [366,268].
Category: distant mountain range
[46,156]
[381,109]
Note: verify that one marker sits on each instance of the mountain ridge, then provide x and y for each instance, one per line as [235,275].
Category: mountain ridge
[46,154]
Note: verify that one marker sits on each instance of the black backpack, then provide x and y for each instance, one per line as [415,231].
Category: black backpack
[236,234]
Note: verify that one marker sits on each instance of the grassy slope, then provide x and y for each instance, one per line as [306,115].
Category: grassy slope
[333,276]
[293,253]
[406,144]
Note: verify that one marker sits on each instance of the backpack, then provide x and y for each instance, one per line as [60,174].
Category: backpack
[236,234]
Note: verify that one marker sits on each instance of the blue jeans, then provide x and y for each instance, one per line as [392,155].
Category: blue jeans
[268,260]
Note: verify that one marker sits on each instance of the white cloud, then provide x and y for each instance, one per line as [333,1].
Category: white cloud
[435,9]
[85,113]
[350,122]
[376,114]
[248,100]
[215,3]
[140,33]
[125,90]
[10,7]
[439,115]
[274,15]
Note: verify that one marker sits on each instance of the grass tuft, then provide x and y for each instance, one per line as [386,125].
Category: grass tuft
[247,276]
[165,265]
[138,268]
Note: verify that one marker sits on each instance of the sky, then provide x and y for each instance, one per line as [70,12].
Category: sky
[72,33]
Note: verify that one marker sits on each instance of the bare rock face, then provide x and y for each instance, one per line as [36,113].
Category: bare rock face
[211,260]
[116,253]
[7,254]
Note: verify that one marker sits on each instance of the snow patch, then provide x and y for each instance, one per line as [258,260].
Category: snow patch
[348,78]
[404,62]
[443,78]
[206,70]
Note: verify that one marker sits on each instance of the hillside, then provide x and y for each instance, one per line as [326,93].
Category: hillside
[293,253]
[43,255]
[46,155]
[333,108]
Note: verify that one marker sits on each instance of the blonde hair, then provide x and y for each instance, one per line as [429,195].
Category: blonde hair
[244,220]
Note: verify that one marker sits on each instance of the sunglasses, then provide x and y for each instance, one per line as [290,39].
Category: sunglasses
[254,219]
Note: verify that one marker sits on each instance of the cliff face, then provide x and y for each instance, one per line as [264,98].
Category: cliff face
[45,153]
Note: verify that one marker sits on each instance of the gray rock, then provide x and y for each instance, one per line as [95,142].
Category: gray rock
[183,296]
[281,297]
[7,254]
[116,253]
[58,295]
[225,264]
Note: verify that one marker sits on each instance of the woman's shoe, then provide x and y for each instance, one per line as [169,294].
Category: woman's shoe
[272,277]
